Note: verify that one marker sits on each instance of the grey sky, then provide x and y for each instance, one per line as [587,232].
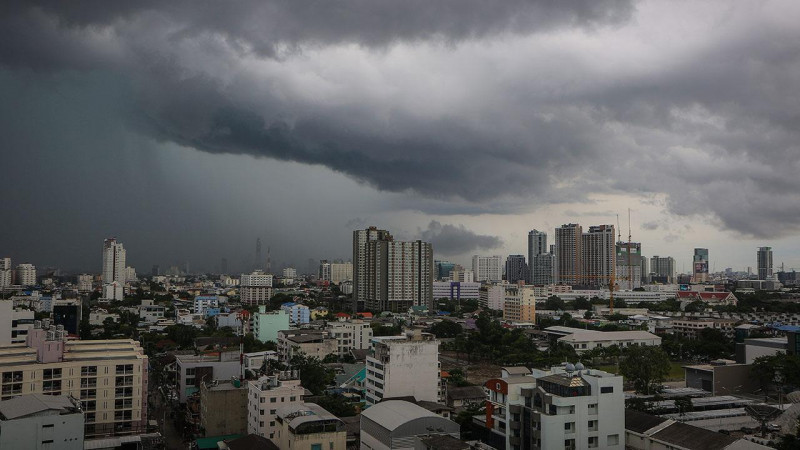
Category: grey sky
[189,129]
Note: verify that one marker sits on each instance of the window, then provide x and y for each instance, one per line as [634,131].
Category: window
[292,398]
[272,411]
[613,439]
[607,389]
[49,374]
[316,446]
[273,399]
[592,441]
[261,412]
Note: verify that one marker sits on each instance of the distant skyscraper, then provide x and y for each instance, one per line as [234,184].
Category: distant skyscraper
[764,263]
[487,268]
[663,269]
[5,272]
[26,274]
[324,273]
[629,266]
[257,264]
[155,271]
[598,255]
[541,271]
[442,269]
[700,265]
[537,245]
[568,263]
[113,261]
[516,268]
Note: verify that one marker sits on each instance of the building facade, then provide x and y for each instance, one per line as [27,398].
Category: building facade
[113,261]
[487,268]
[265,396]
[764,263]
[662,269]
[255,288]
[700,265]
[598,256]
[516,269]
[308,426]
[267,324]
[568,254]
[401,366]
[37,421]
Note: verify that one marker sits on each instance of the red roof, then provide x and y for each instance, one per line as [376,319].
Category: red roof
[342,314]
[365,314]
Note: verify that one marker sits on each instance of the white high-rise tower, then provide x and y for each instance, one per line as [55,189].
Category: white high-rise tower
[113,261]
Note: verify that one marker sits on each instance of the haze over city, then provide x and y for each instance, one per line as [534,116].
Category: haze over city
[188,131]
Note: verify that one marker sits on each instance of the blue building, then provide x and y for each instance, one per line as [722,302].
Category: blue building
[299,314]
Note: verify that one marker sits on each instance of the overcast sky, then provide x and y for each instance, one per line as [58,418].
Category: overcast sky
[188,129]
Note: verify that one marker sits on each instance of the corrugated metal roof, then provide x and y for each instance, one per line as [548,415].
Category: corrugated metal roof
[393,413]
[26,405]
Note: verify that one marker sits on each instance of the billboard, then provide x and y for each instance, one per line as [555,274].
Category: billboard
[701,267]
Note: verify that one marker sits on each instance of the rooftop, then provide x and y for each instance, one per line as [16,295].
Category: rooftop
[26,405]
[391,414]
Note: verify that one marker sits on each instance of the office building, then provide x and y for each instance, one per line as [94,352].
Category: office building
[764,263]
[462,276]
[662,269]
[341,271]
[487,268]
[403,366]
[537,244]
[700,265]
[265,396]
[113,261]
[108,376]
[255,288]
[456,291]
[598,256]
[26,275]
[40,422]
[568,254]
[364,273]
[516,269]
[308,426]
[442,269]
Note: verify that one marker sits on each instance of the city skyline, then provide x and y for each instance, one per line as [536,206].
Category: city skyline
[466,127]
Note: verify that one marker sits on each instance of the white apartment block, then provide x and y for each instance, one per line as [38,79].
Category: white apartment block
[493,297]
[14,323]
[113,261]
[26,275]
[109,377]
[401,366]
[151,313]
[487,268]
[264,397]
[462,276]
[312,343]
[341,272]
[5,273]
[455,290]
[289,272]
[39,421]
[85,282]
[255,288]
[130,274]
[350,335]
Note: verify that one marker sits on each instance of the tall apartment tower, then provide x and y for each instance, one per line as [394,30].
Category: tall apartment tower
[399,275]
[360,240]
[113,261]
[5,272]
[663,269]
[764,263]
[568,266]
[629,265]
[537,246]
[487,268]
[516,268]
[700,265]
[598,252]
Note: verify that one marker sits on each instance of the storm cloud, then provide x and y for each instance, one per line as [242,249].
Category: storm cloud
[466,107]
[457,239]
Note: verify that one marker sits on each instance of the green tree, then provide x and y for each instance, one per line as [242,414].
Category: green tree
[582,303]
[446,329]
[313,375]
[645,367]
[554,303]
[337,405]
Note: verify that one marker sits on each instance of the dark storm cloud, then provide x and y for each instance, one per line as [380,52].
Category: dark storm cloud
[714,126]
[457,239]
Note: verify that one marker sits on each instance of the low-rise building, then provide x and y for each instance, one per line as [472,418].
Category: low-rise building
[404,366]
[308,426]
[352,334]
[298,314]
[265,396]
[312,343]
[395,424]
[589,339]
[223,407]
[192,370]
[267,324]
[150,312]
[456,290]
[691,328]
[38,421]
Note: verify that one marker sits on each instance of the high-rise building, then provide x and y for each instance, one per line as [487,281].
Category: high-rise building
[516,268]
[113,261]
[341,271]
[5,272]
[399,275]
[26,274]
[663,269]
[289,272]
[764,263]
[599,256]
[537,245]
[629,265]
[487,268]
[255,288]
[390,275]
[700,265]
[442,269]
[541,269]
[324,273]
[568,264]
[85,282]
[360,280]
